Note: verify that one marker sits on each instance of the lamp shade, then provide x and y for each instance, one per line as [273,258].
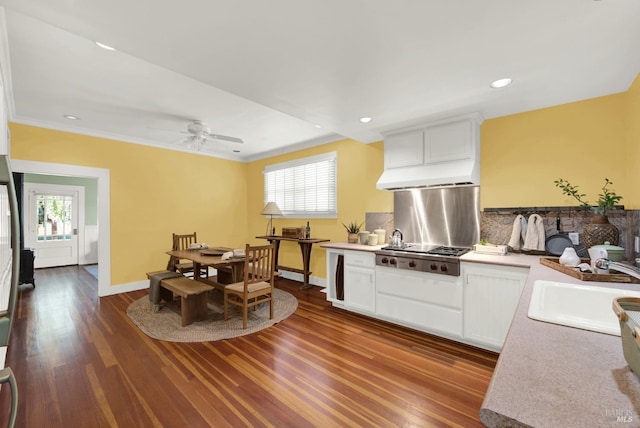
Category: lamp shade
[271,209]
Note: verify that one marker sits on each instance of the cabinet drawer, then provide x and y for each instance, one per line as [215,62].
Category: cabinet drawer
[442,290]
[424,316]
[360,258]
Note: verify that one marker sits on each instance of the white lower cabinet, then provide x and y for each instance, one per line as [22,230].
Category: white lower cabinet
[359,281]
[491,295]
[475,308]
[426,301]
[334,276]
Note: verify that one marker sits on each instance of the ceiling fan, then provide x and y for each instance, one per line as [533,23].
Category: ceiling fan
[200,133]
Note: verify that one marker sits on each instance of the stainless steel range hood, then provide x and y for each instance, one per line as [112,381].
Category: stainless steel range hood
[438,154]
[446,174]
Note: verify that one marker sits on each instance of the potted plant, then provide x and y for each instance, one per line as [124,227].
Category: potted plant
[352,229]
[599,230]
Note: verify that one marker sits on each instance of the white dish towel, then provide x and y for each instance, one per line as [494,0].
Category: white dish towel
[518,233]
[535,239]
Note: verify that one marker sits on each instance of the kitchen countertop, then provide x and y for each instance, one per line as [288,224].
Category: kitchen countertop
[354,247]
[550,375]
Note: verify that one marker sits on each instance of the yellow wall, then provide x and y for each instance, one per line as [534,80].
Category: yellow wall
[359,167]
[582,142]
[633,145]
[154,192]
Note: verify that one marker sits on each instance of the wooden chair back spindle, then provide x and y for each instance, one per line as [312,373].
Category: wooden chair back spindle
[257,287]
[183,242]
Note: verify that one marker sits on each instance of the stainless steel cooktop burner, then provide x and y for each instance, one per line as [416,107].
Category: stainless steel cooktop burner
[420,257]
[438,250]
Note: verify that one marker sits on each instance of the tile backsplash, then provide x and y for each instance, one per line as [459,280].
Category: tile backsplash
[496,225]
[384,221]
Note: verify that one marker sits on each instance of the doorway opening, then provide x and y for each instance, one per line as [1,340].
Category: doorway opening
[54,220]
[103,209]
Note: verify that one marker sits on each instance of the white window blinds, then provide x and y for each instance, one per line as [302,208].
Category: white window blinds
[303,188]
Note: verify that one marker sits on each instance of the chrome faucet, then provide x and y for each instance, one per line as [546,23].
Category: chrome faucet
[620,267]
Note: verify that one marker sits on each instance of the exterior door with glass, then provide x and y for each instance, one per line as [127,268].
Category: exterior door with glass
[51,227]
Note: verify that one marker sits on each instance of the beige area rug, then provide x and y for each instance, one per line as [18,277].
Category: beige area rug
[166,323]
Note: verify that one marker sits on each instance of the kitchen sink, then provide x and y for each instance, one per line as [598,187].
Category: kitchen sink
[575,305]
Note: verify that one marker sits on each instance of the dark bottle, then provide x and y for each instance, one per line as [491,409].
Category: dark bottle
[307,232]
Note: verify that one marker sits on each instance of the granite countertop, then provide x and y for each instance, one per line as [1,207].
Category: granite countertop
[550,375]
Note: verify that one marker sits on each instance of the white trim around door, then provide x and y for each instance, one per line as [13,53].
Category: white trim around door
[56,250]
[104,220]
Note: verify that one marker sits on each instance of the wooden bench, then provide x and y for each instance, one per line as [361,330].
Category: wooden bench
[193,297]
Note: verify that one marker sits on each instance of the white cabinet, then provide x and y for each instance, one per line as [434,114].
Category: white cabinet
[359,281]
[351,280]
[433,143]
[404,149]
[476,307]
[449,142]
[334,275]
[491,295]
[425,301]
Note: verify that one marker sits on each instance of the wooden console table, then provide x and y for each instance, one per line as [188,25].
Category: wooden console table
[305,247]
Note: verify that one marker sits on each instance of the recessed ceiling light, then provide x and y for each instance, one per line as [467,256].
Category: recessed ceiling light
[318,126]
[365,119]
[103,46]
[71,117]
[501,83]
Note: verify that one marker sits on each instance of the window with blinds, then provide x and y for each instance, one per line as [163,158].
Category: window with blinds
[303,188]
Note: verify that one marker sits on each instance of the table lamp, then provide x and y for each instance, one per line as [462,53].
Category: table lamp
[271,209]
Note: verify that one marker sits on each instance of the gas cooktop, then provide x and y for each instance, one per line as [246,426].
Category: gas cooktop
[436,250]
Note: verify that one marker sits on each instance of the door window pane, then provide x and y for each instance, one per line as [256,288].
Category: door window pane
[54,217]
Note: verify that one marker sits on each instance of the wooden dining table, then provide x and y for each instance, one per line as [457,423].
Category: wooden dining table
[213,257]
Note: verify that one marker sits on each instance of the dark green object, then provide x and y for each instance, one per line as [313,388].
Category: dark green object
[628,311]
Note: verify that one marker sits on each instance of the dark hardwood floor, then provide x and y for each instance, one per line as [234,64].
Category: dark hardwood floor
[80,362]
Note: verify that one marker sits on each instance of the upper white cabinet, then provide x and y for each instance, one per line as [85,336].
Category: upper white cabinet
[432,143]
[443,153]
[448,142]
[404,149]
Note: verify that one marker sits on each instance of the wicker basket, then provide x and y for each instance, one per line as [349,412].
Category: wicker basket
[628,311]
[600,231]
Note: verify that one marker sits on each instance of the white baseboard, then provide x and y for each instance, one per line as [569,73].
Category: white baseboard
[313,280]
[143,285]
[125,288]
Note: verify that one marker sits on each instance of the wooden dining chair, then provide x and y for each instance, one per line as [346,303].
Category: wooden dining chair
[183,242]
[257,286]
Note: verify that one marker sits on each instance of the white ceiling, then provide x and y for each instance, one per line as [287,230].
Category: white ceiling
[270,71]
